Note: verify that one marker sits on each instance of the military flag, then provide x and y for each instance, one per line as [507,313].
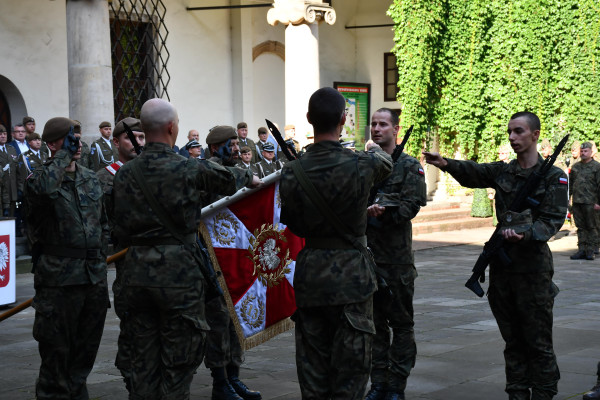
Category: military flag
[256,255]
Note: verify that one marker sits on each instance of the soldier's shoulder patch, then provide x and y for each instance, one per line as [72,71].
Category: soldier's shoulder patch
[421,172]
[563,181]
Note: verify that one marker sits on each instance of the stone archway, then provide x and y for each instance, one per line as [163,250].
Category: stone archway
[269,46]
[12,105]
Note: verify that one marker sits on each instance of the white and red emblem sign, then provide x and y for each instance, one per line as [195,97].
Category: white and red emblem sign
[257,255]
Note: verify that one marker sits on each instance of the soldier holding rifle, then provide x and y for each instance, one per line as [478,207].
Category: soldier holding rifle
[521,292]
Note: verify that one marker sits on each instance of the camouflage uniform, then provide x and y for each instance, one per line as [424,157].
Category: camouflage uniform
[521,295]
[333,282]
[66,222]
[584,182]
[86,157]
[390,238]
[163,285]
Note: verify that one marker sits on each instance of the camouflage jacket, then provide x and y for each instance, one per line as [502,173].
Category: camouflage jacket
[86,157]
[65,210]
[532,253]
[179,184]
[106,176]
[330,276]
[402,194]
[584,182]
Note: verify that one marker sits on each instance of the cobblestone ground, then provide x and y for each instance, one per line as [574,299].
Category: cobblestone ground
[460,348]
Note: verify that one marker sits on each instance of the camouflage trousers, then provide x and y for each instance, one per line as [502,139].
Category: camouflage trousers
[222,344]
[586,221]
[393,312]
[123,360]
[333,350]
[522,305]
[68,326]
[169,330]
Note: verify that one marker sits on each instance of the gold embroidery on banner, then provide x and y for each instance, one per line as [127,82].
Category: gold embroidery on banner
[269,264]
[252,315]
[224,228]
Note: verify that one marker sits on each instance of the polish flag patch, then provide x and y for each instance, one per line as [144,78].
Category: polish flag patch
[421,171]
[563,180]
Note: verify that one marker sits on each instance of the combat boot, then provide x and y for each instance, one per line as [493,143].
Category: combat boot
[240,388]
[589,255]
[524,394]
[377,392]
[580,255]
[222,389]
[593,394]
[395,396]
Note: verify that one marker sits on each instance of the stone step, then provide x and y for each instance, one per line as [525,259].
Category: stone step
[441,205]
[450,225]
[426,215]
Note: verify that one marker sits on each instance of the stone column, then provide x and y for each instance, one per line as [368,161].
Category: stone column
[302,18]
[90,69]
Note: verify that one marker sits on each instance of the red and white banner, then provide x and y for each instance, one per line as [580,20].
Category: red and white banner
[256,254]
[7,262]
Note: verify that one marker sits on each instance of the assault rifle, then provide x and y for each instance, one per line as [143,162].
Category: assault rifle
[138,149]
[400,147]
[288,150]
[495,246]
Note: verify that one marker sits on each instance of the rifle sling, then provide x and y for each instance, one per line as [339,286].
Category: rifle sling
[160,212]
[327,212]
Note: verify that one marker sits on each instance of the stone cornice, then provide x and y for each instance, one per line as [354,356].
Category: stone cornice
[297,12]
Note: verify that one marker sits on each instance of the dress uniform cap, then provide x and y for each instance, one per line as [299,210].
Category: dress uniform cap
[220,134]
[262,129]
[192,143]
[27,120]
[57,128]
[519,222]
[2,128]
[586,145]
[104,124]
[134,123]
[268,147]
[241,125]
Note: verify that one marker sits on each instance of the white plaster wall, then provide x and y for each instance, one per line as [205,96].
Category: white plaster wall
[200,66]
[269,93]
[34,56]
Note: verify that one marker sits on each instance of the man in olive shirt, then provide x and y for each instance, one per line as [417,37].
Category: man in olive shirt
[334,280]
[394,202]
[584,185]
[521,294]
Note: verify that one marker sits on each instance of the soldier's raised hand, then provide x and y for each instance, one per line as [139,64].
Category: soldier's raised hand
[435,159]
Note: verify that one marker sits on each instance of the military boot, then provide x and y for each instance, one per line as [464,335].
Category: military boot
[519,394]
[240,388]
[377,392]
[589,255]
[395,396]
[593,394]
[222,389]
[580,255]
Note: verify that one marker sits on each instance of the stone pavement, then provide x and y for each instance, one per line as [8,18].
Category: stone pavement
[459,346]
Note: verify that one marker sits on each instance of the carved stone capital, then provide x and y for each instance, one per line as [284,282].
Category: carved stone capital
[297,12]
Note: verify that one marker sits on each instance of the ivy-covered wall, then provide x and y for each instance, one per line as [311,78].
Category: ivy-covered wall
[466,66]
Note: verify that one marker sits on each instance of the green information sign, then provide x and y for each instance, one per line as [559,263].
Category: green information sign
[358,104]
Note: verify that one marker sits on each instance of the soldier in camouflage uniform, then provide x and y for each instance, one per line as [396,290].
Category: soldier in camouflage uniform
[395,201]
[333,281]
[106,177]
[521,295]
[224,354]
[67,226]
[163,283]
[584,184]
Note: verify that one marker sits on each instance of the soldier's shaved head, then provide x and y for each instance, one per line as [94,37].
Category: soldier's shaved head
[533,120]
[326,110]
[156,114]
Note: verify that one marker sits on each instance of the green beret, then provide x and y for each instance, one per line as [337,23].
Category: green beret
[105,124]
[586,145]
[134,123]
[242,125]
[262,129]
[2,128]
[245,149]
[27,120]
[220,134]
[57,128]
